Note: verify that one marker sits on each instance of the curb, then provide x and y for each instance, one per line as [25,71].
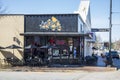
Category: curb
[60,69]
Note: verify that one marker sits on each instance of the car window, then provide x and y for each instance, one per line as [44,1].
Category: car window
[113,51]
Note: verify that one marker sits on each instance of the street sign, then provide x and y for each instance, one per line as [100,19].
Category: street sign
[100,29]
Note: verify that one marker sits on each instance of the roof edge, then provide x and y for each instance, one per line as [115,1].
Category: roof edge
[45,14]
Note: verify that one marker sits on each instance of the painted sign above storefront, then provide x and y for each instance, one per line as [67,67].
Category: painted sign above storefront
[51,24]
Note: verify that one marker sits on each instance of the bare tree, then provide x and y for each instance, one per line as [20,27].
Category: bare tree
[97,44]
[116,45]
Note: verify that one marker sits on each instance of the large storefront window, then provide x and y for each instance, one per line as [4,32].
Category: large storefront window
[58,47]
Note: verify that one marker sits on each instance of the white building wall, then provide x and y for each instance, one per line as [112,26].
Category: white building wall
[87,48]
[80,26]
[11,26]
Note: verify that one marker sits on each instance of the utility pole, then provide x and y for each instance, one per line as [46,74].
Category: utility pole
[110,35]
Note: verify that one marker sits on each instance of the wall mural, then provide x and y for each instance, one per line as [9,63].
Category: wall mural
[51,24]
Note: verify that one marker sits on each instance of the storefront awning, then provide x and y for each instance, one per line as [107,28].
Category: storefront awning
[55,34]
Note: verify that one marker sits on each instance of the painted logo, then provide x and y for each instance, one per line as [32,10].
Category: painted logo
[51,24]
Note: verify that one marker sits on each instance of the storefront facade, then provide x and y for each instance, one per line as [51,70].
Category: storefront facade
[61,35]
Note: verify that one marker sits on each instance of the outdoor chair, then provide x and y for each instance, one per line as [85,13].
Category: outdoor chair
[34,61]
[13,61]
[90,60]
[9,60]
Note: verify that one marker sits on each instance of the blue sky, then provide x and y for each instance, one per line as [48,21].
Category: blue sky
[99,11]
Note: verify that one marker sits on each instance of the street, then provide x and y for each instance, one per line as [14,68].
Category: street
[77,75]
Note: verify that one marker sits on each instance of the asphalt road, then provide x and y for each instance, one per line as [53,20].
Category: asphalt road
[41,75]
[78,75]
